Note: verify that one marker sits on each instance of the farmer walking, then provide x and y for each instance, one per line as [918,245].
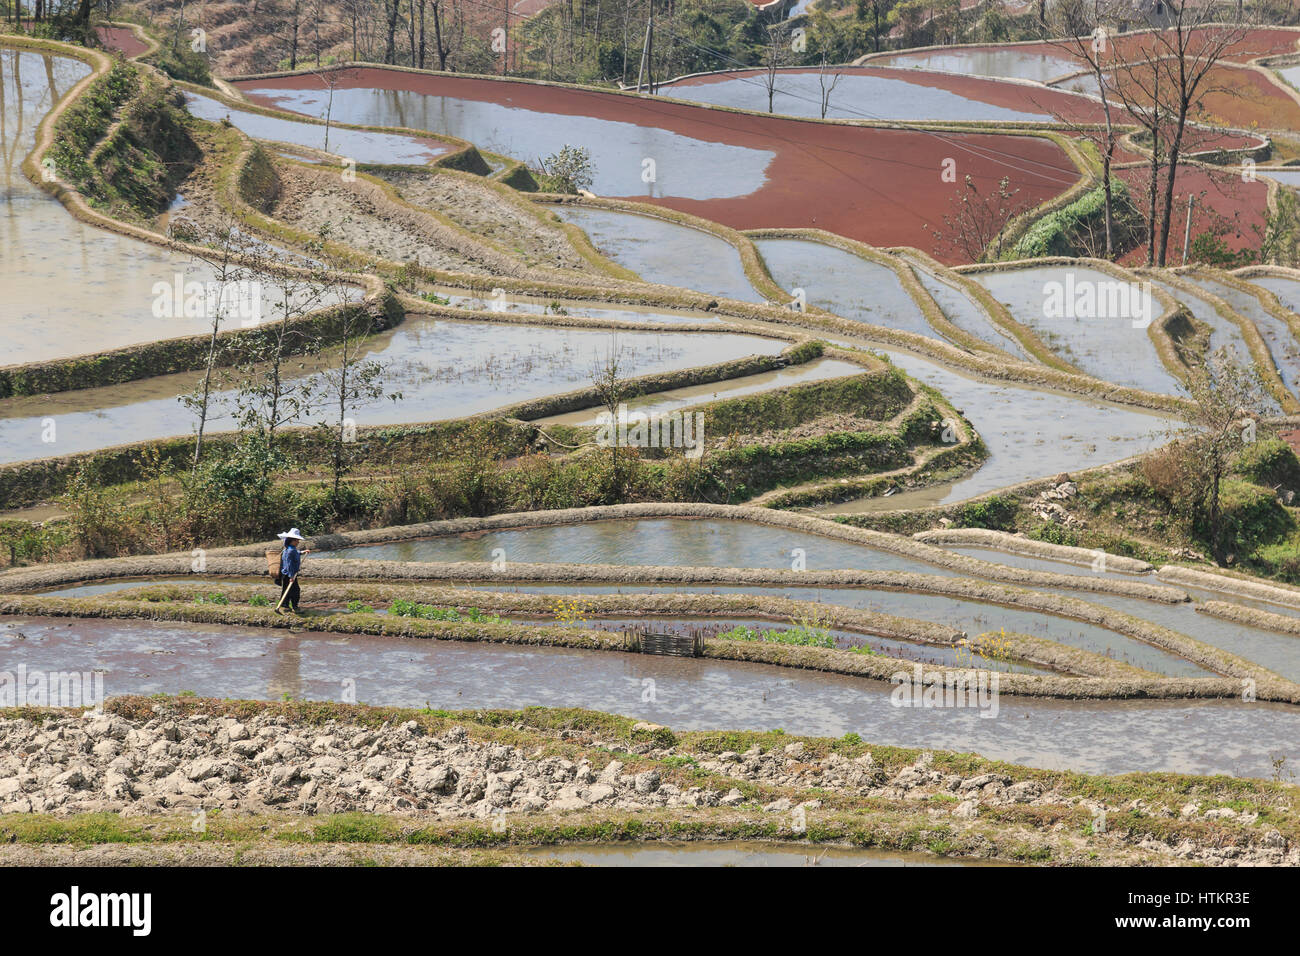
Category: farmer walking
[290,566]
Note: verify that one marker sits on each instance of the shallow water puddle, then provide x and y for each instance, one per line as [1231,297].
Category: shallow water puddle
[736,853]
[690,694]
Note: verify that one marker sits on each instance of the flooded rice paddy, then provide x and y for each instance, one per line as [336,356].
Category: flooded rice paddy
[845,283]
[1224,333]
[442,369]
[1029,432]
[686,167]
[675,542]
[663,403]
[1112,347]
[1037,65]
[118,297]
[856,95]
[362,146]
[670,542]
[968,315]
[681,542]
[665,252]
[449,369]
[691,694]
[1277,334]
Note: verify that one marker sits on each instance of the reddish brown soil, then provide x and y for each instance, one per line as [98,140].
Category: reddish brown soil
[1241,96]
[1269,41]
[881,186]
[1223,204]
[122,39]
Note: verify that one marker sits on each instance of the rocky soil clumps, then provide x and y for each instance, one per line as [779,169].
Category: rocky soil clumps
[106,762]
[169,762]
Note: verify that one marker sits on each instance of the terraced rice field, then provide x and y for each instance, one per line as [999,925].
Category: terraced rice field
[750,407]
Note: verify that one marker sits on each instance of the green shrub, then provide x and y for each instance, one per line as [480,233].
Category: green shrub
[183,63]
[801,635]
[1252,517]
[995,513]
[428,612]
[1069,231]
[1270,462]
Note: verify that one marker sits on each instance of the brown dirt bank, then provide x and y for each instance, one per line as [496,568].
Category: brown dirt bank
[122,39]
[876,185]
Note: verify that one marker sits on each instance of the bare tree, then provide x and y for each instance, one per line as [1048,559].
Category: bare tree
[1082,25]
[613,391]
[1161,77]
[440,47]
[978,222]
[224,248]
[826,89]
[776,54]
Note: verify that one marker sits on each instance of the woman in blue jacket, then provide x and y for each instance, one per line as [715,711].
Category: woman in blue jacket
[290,566]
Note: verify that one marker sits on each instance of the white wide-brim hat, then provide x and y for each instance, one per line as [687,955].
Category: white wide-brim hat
[291,533]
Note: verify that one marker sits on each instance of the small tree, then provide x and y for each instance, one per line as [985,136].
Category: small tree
[349,382]
[265,396]
[613,390]
[776,54]
[230,250]
[827,88]
[1228,401]
[1083,25]
[568,171]
[978,222]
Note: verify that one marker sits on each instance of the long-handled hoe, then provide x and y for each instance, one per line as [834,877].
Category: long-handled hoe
[286,593]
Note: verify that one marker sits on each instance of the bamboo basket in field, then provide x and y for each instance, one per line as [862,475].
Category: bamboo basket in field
[273,562]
